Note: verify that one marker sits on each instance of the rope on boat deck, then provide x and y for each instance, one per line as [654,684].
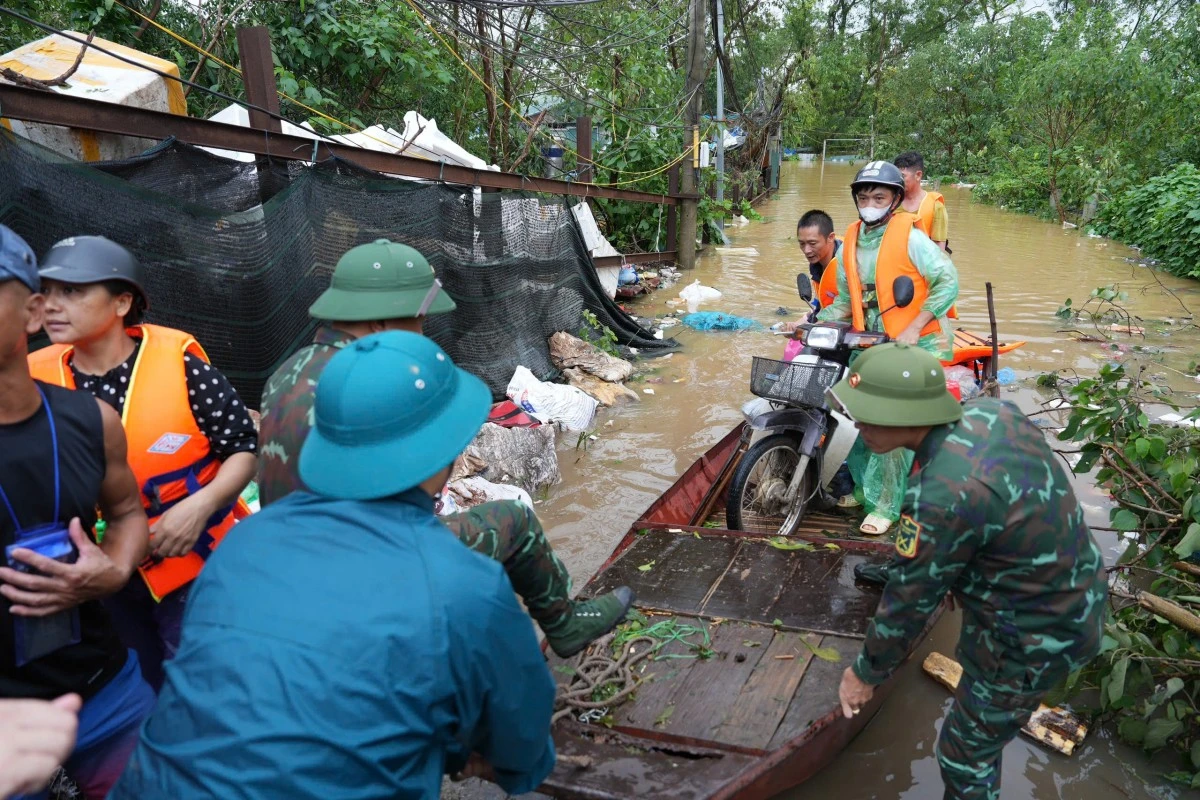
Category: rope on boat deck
[599,669]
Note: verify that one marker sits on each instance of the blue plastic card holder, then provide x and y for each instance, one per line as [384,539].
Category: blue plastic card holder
[35,637]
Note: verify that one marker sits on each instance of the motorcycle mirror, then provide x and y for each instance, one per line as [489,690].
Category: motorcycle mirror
[903,291]
[804,287]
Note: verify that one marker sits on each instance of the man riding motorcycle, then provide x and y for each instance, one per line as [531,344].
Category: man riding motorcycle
[880,247]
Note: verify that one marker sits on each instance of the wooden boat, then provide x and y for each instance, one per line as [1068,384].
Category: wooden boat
[757,712]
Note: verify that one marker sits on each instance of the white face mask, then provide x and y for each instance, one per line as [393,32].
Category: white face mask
[873,215]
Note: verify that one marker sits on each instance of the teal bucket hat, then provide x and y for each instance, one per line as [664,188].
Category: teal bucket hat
[381,280]
[391,411]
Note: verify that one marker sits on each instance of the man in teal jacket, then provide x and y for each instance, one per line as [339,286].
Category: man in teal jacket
[342,642]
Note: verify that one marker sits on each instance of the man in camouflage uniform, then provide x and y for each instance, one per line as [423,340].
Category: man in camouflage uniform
[990,516]
[388,286]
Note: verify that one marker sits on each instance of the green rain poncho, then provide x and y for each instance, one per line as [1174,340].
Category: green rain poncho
[881,480]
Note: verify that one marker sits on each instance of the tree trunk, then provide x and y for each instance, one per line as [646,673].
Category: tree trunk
[489,80]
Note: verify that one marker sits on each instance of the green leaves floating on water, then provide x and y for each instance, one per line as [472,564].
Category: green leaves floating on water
[646,567]
[784,543]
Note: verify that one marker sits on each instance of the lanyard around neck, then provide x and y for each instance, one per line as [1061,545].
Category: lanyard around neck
[54,444]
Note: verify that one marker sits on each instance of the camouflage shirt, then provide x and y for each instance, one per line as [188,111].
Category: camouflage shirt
[287,414]
[991,516]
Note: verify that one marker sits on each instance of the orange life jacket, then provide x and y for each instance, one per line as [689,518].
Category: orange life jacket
[891,263]
[924,212]
[168,453]
[827,289]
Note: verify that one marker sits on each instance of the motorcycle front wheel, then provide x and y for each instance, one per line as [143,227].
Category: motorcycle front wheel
[758,489]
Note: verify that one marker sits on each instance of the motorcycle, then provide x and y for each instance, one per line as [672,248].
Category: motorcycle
[799,442]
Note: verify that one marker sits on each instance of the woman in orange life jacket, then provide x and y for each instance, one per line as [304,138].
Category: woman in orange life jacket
[192,445]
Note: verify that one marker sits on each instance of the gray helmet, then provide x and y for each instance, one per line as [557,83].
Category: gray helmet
[879,173]
[93,259]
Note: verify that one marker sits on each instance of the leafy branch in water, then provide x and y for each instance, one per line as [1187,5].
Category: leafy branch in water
[598,334]
[1147,671]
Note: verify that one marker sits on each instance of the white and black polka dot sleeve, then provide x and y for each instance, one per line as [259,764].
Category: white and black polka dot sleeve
[218,410]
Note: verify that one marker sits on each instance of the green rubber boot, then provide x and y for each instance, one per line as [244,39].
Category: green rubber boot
[872,573]
[589,620]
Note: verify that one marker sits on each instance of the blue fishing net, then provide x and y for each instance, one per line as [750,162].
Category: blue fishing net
[718,321]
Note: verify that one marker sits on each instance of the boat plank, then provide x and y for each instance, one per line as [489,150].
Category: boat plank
[621,766]
[712,685]
[752,585]
[765,698]
[683,569]
[822,595]
[663,680]
[817,694]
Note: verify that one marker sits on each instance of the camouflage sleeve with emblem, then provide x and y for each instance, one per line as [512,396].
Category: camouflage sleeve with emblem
[933,545]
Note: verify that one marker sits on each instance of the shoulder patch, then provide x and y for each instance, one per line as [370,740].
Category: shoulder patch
[907,536]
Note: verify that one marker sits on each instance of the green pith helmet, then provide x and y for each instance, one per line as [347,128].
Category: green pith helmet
[897,385]
[381,280]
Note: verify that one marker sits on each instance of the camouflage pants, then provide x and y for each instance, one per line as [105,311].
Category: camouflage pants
[985,716]
[509,532]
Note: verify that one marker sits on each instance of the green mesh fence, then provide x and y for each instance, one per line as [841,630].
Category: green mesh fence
[239,273]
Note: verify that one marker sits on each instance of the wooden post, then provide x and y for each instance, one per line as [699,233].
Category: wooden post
[673,211]
[258,79]
[583,146]
[991,386]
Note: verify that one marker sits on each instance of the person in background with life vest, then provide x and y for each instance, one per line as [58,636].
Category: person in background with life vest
[388,286]
[880,247]
[191,441]
[821,246]
[63,668]
[929,207]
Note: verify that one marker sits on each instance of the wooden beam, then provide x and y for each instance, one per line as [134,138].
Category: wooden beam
[1055,728]
[634,258]
[51,108]
[583,146]
[258,77]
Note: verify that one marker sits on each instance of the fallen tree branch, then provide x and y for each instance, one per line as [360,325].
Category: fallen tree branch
[46,85]
[1190,569]
[1176,614]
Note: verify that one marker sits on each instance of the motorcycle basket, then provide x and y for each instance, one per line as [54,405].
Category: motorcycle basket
[798,383]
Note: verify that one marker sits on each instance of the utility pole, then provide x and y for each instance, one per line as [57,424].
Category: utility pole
[688,184]
[720,115]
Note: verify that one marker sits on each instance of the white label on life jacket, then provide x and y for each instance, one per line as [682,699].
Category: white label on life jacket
[169,443]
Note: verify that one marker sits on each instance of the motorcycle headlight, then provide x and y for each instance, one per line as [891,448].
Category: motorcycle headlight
[821,337]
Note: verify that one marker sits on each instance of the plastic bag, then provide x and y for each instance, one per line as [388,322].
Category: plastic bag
[469,492]
[627,276]
[551,402]
[694,294]
[717,321]
[964,378]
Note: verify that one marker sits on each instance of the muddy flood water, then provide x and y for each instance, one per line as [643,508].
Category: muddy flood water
[640,450]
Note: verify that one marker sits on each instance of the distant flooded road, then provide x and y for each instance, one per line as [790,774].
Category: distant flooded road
[698,391]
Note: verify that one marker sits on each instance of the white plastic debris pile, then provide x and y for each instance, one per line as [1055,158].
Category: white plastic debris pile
[551,402]
[467,493]
[237,115]
[696,293]
[99,77]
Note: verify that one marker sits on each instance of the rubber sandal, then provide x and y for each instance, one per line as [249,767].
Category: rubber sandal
[875,525]
[848,501]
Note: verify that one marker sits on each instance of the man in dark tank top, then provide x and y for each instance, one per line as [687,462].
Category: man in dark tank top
[62,458]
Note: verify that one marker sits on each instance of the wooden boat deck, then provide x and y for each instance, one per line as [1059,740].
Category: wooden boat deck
[759,712]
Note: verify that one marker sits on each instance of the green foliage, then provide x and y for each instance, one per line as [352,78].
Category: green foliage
[1148,672]
[598,335]
[1162,217]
